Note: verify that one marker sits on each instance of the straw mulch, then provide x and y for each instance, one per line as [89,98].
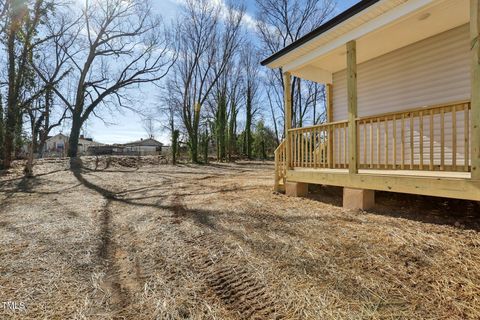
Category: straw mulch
[128,238]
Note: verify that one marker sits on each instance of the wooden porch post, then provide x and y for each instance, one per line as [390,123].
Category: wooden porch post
[329,106]
[475,96]
[287,80]
[352,106]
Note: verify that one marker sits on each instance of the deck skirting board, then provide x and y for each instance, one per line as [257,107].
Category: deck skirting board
[466,189]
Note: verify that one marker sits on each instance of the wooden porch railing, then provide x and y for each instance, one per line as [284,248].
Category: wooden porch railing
[280,165]
[435,138]
[321,146]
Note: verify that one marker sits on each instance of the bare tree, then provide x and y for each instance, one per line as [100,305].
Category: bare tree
[2,129]
[208,36]
[20,23]
[149,126]
[251,85]
[113,45]
[280,23]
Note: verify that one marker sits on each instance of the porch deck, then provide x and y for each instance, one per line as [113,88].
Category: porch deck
[406,173]
[423,151]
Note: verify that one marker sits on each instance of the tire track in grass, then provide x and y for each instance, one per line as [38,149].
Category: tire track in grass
[122,275]
[235,285]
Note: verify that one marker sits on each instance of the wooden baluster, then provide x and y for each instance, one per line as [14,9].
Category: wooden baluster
[371,144]
[312,149]
[442,139]
[394,125]
[402,164]
[302,153]
[345,144]
[335,146]
[299,139]
[315,147]
[454,138]
[467,137]
[318,148]
[432,139]
[307,148]
[329,144]
[299,163]
[320,145]
[291,136]
[412,146]
[386,142]
[364,144]
[295,143]
[324,144]
[421,139]
[312,140]
[342,145]
[379,153]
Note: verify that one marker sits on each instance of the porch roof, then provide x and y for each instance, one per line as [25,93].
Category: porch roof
[378,26]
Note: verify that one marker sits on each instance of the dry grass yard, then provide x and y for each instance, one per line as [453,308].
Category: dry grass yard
[145,241]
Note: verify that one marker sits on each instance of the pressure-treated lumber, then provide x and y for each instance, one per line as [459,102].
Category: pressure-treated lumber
[352,106]
[358,199]
[287,81]
[329,100]
[296,189]
[456,188]
[475,96]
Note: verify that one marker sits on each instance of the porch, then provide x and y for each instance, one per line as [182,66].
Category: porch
[422,151]
[371,58]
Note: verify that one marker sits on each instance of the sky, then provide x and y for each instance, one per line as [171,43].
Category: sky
[127,126]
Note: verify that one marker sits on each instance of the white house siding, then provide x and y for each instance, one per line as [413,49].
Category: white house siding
[430,72]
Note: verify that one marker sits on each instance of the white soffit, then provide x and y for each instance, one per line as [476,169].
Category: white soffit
[352,23]
[315,74]
[420,25]
[384,27]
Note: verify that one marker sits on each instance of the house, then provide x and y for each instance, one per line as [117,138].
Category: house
[403,86]
[144,147]
[58,144]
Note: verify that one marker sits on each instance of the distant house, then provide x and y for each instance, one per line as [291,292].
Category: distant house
[144,147]
[58,145]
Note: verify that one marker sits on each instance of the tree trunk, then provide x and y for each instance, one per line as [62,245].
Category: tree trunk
[221,126]
[175,135]
[2,131]
[74,136]
[18,135]
[232,132]
[194,134]
[11,99]
[194,148]
[206,141]
[29,165]
[248,124]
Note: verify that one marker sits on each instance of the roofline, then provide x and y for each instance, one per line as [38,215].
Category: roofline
[330,24]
